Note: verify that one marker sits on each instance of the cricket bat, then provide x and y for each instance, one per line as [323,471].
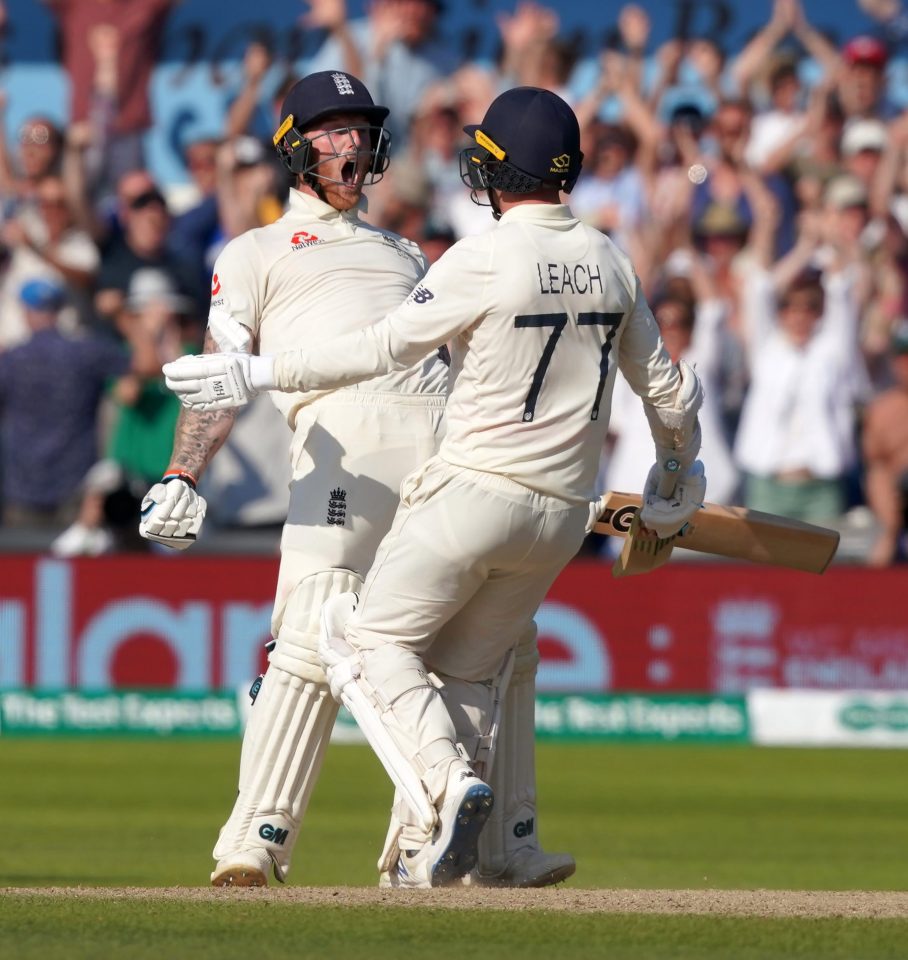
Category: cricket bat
[734,532]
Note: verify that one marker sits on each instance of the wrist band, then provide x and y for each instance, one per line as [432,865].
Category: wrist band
[180,475]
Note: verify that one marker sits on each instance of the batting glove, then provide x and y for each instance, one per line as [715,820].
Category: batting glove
[668,514]
[217,381]
[342,664]
[172,512]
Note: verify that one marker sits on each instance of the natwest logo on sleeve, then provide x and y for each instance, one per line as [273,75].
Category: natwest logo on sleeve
[215,285]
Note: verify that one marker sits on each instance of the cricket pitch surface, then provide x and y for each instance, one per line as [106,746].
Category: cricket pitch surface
[739,903]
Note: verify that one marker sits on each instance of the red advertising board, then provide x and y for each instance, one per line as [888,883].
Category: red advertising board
[730,628]
[197,623]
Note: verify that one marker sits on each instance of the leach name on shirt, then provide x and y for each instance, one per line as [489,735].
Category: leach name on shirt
[560,278]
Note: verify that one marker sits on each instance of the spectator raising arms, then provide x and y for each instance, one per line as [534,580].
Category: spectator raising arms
[44,243]
[394,49]
[40,145]
[796,441]
[139,30]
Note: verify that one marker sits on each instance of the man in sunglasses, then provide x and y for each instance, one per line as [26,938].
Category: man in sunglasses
[317,272]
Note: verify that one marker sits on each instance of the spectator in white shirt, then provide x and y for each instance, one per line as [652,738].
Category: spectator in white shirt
[797,439]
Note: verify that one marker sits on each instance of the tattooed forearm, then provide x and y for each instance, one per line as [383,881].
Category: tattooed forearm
[199,436]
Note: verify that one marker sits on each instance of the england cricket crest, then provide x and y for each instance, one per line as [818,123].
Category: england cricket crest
[337,507]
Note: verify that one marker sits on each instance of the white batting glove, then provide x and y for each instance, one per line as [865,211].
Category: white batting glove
[217,381]
[668,514]
[341,662]
[172,513]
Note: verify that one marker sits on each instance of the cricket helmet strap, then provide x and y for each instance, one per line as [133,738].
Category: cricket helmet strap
[320,95]
[529,138]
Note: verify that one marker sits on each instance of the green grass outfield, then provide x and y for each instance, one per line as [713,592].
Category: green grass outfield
[142,813]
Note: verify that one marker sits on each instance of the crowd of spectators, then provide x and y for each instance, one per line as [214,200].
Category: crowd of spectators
[761,192]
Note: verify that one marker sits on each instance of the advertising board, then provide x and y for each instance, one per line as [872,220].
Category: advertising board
[200,624]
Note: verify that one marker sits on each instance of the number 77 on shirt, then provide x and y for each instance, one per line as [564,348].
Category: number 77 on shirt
[734,532]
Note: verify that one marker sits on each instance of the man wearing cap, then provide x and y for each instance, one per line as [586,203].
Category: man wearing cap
[538,314]
[50,389]
[885,448]
[862,84]
[863,143]
[318,272]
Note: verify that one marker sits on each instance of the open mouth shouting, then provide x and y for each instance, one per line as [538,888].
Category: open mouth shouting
[349,174]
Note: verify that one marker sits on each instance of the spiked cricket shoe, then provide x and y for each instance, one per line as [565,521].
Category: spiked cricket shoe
[453,850]
[246,868]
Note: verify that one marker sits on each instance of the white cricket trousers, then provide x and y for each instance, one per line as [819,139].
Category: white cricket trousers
[350,452]
[466,564]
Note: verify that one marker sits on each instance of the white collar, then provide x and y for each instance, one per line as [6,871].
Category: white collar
[539,211]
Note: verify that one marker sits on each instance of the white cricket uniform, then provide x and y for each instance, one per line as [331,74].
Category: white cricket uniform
[538,312]
[301,281]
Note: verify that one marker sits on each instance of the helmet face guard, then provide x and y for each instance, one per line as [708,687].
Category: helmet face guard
[295,150]
[485,167]
[481,171]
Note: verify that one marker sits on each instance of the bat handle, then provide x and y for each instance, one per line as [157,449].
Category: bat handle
[669,478]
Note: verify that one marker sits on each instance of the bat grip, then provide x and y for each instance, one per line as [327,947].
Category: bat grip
[669,478]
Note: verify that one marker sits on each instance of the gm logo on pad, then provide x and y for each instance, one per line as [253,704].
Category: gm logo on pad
[273,834]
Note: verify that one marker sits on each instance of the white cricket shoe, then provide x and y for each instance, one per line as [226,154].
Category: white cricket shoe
[79,540]
[453,850]
[246,868]
[528,867]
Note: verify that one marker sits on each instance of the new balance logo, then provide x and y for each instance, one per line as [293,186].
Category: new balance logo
[421,295]
[337,507]
[524,828]
[342,82]
[273,834]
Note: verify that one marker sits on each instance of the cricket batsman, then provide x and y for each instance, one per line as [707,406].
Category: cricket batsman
[539,314]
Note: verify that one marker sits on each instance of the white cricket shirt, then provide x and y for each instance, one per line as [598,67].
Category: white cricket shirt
[538,311]
[312,275]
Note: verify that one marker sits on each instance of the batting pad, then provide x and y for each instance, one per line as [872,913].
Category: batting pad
[288,732]
[397,679]
[296,645]
[475,708]
[512,777]
[392,759]
[290,726]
